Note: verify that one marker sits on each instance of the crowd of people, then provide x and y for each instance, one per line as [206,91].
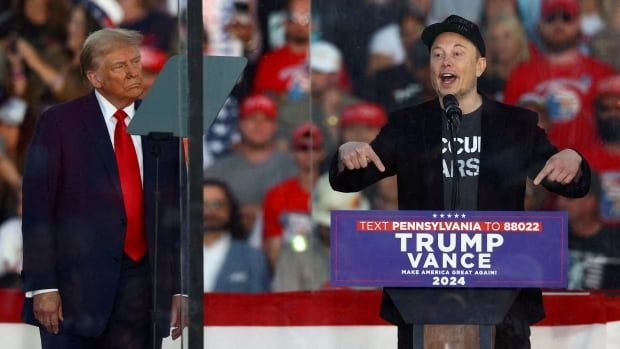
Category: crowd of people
[320,74]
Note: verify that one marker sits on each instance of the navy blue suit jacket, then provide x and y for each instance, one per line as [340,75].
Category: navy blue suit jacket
[513,148]
[74,219]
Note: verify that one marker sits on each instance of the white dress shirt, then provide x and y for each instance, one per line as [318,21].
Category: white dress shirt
[214,257]
[108,110]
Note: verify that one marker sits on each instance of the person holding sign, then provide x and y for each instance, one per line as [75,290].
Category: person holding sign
[462,151]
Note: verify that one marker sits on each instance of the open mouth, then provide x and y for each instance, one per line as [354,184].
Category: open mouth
[447,78]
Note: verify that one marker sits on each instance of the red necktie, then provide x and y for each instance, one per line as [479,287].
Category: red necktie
[131,185]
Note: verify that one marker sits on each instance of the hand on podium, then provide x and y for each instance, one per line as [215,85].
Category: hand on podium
[179,315]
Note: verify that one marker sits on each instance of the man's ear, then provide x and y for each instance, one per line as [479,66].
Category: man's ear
[481,65]
[93,78]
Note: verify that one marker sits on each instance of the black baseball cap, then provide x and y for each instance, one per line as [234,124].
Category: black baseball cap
[455,24]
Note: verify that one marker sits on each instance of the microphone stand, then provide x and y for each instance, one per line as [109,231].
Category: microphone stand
[456,175]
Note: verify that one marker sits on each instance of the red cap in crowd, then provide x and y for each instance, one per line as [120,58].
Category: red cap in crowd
[152,58]
[549,7]
[307,136]
[369,114]
[258,104]
[609,86]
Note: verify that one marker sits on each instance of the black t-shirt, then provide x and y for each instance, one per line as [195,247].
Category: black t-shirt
[468,143]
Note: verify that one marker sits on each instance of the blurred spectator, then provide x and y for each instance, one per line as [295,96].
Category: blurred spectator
[607,159]
[495,9]
[349,25]
[42,24]
[255,164]
[563,76]
[233,30]
[8,172]
[230,265]
[507,47]
[153,60]
[605,44]
[284,71]
[304,263]
[272,19]
[159,28]
[286,208]
[361,122]
[328,95]
[11,250]
[326,92]
[67,81]
[529,13]
[12,112]
[594,247]
[406,84]
[607,111]
[440,9]
[232,26]
[591,18]
[388,46]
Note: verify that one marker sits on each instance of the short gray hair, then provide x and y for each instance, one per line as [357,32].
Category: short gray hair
[101,42]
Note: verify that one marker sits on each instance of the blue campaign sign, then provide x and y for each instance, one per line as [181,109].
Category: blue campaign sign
[449,249]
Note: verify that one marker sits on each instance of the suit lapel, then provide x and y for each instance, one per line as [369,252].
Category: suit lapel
[491,129]
[95,126]
[433,175]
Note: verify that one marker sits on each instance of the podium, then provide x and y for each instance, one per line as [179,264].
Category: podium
[182,103]
[452,276]
[451,318]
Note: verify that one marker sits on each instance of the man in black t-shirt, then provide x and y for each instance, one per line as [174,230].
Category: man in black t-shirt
[497,147]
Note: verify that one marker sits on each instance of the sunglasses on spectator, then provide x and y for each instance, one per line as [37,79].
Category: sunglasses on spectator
[564,16]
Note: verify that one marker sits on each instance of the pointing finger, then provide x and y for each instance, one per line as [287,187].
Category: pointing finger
[375,160]
[542,174]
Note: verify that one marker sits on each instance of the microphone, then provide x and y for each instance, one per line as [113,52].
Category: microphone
[451,105]
[454,113]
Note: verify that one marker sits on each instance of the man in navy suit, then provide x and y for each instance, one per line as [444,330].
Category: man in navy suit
[89,206]
[495,149]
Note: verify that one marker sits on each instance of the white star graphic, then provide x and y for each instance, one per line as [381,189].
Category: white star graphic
[441,215]
[434,215]
[463,215]
[449,215]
